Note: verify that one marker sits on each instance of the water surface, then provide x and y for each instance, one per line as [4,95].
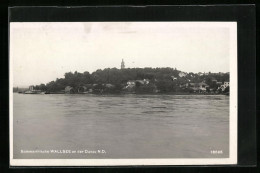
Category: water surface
[124,126]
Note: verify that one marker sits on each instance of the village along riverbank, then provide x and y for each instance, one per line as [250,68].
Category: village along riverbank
[135,81]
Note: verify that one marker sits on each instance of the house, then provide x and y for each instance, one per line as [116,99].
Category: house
[226,84]
[130,84]
[143,82]
[140,81]
[214,81]
[182,74]
[200,87]
[191,84]
[31,88]
[173,78]
[219,83]
[183,85]
[146,81]
[109,85]
[88,88]
[203,86]
[69,90]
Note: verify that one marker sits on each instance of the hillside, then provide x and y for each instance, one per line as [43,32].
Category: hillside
[161,80]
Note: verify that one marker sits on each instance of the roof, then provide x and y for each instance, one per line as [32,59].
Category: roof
[202,83]
[68,87]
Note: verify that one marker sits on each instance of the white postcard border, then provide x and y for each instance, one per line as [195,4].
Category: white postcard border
[127,162]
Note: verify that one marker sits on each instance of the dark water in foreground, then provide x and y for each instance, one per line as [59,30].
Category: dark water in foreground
[123,126]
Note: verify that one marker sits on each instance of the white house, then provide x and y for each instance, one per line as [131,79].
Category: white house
[146,81]
[200,74]
[173,78]
[130,84]
[219,83]
[198,86]
[31,88]
[203,86]
[108,85]
[226,84]
[182,74]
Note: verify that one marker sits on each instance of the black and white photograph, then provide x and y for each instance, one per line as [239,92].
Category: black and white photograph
[123,93]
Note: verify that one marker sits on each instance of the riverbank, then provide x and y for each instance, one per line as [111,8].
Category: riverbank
[168,93]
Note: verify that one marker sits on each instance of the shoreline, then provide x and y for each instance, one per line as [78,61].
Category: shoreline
[175,93]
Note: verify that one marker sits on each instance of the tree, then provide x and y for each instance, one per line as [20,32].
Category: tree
[161,78]
[226,90]
[137,84]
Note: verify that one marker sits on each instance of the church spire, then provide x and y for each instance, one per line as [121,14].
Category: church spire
[122,64]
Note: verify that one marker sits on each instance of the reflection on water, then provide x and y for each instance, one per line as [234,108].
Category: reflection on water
[125,126]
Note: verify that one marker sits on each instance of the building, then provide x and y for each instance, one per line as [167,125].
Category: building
[130,84]
[201,87]
[34,89]
[122,64]
[109,85]
[226,84]
[146,81]
[31,88]
[173,78]
[182,74]
[219,83]
[69,90]
[183,85]
[140,82]
[214,81]
[200,74]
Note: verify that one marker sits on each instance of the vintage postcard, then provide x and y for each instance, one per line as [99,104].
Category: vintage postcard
[123,93]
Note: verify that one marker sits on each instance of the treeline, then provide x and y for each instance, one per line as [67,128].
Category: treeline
[163,79]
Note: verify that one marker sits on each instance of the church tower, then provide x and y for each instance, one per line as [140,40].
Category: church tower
[122,64]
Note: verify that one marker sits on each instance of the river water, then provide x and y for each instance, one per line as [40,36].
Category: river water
[120,126]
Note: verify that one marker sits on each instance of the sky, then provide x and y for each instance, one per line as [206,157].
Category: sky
[43,51]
